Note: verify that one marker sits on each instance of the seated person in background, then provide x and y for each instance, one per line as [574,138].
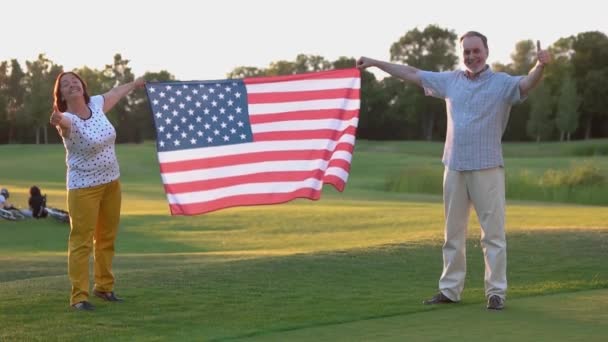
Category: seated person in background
[37,203]
[4,204]
[7,210]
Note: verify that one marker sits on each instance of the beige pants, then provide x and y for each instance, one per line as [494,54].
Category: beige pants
[485,189]
[94,217]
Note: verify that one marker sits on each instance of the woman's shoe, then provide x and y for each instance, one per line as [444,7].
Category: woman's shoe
[107,296]
[83,306]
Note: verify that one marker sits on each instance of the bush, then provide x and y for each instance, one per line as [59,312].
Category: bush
[427,180]
[582,183]
[590,149]
[587,173]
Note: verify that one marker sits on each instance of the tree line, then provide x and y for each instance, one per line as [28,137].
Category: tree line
[570,103]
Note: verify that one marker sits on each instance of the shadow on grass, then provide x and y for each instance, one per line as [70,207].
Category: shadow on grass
[198,296]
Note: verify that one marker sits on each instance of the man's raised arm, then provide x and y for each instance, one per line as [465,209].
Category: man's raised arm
[534,76]
[404,72]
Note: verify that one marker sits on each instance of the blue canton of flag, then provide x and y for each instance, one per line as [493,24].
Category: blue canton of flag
[199,114]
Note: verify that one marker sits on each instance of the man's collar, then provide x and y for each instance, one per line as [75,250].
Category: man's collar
[474,76]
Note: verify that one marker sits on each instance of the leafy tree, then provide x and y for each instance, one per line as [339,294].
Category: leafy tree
[374,112]
[309,63]
[562,49]
[116,74]
[303,63]
[561,67]
[373,101]
[540,126]
[595,98]
[281,68]
[575,88]
[567,116]
[590,53]
[141,108]
[161,76]
[15,93]
[403,119]
[96,81]
[558,77]
[589,58]
[430,49]
[245,71]
[37,107]
[433,48]
[499,67]
[523,59]
[345,63]
[3,101]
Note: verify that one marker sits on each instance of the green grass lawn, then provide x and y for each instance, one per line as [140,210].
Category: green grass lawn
[352,266]
[581,316]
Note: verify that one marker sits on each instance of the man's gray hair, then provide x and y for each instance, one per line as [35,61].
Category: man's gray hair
[484,39]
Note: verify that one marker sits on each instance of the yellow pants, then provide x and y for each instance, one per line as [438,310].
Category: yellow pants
[94,217]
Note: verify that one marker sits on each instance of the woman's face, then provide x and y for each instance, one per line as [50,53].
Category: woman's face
[70,87]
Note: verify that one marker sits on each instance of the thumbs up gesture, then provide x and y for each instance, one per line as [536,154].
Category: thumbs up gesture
[543,56]
[56,116]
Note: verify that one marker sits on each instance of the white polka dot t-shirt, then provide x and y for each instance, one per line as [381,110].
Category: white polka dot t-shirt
[90,155]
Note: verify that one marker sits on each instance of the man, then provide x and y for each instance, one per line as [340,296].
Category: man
[478,102]
[7,210]
[4,204]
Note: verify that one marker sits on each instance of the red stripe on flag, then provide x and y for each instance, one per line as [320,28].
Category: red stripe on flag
[305,115]
[341,163]
[336,181]
[253,199]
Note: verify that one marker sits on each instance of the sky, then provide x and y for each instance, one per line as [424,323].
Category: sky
[204,40]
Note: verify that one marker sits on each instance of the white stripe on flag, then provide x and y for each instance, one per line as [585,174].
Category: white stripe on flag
[284,107]
[243,189]
[304,85]
[338,172]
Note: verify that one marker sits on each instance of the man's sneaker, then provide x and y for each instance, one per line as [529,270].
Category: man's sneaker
[83,306]
[439,298]
[107,296]
[495,303]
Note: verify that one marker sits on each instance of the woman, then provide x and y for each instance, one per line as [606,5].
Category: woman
[92,182]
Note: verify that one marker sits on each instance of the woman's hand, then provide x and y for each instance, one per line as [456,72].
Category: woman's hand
[140,82]
[56,117]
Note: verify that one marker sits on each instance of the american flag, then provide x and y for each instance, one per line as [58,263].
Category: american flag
[262,140]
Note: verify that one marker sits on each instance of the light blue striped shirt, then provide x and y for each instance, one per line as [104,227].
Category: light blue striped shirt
[478,111]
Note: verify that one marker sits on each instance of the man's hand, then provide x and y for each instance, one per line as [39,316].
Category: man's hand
[543,56]
[365,62]
[531,80]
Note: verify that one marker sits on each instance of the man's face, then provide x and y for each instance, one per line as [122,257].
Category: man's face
[474,54]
